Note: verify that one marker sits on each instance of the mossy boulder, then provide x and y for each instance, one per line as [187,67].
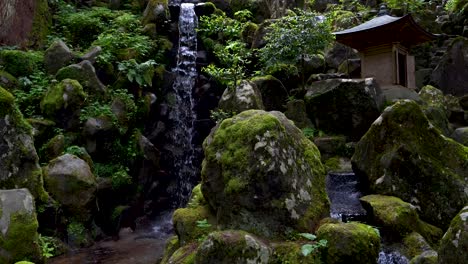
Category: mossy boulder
[344,106]
[172,244]
[404,155]
[243,97]
[454,245]
[183,255]
[415,245]
[57,56]
[19,163]
[427,257]
[8,81]
[274,94]
[291,252]
[350,243]
[18,226]
[53,148]
[296,111]
[186,223]
[434,106]
[398,218]
[461,135]
[85,74]
[70,182]
[262,175]
[20,63]
[63,103]
[156,12]
[232,246]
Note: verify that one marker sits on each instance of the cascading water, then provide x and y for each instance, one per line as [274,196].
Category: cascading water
[182,114]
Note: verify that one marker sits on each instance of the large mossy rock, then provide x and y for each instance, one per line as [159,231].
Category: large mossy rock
[70,182]
[398,218]
[454,245]
[8,81]
[63,102]
[404,155]
[20,63]
[344,106]
[435,108]
[244,97]
[274,94]
[18,226]
[236,247]
[451,74]
[57,56]
[84,73]
[350,243]
[19,163]
[262,175]
[461,135]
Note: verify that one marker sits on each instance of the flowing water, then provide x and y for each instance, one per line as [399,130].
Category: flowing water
[182,116]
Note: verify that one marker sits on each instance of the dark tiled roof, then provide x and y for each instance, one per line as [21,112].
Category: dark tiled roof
[373,23]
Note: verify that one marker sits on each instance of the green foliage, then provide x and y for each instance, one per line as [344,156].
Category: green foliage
[309,236]
[117,173]
[96,109]
[455,6]
[32,90]
[203,223]
[309,248]
[290,39]
[310,132]
[77,233]
[408,6]
[75,150]
[220,27]
[48,245]
[219,115]
[141,73]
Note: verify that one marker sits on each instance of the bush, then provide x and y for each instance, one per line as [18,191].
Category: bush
[32,90]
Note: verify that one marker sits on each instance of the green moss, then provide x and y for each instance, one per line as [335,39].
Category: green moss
[6,102]
[350,243]
[42,22]
[332,164]
[8,81]
[185,223]
[415,245]
[21,63]
[172,245]
[54,99]
[21,239]
[235,185]
[290,253]
[184,255]
[196,198]
[455,241]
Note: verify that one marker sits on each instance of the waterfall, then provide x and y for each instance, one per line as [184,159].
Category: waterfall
[182,114]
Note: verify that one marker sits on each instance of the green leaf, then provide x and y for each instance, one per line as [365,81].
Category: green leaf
[307,249]
[203,223]
[309,236]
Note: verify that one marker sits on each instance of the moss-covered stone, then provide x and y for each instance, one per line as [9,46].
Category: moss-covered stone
[232,247]
[427,257]
[290,252]
[414,245]
[65,97]
[8,81]
[435,108]
[398,218]
[183,255]
[20,63]
[296,111]
[172,244]
[19,167]
[243,97]
[403,155]
[85,74]
[262,175]
[41,24]
[18,223]
[350,243]
[454,245]
[196,198]
[186,225]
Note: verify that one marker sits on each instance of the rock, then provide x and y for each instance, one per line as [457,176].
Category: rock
[262,175]
[274,94]
[330,146]
[245,96]
[57,56]
[205,9]
[85,74]
[172,244]
[454,245]
[186,223]
[291,252]
[92,54]
[7,81]
[339,53]
[435,108]
[423,77]
[63,103]
[101,127]
[427,257]
[451,74]
[20,63]
[182,255]
[313,64]
[398,218]
[350,243]
[461,135]
[296,112]
[414,245]
[70,182]
[464,102]
[344,106]
[157,12]
[18,226]
[53,148]
[232,247]
[351,67]
[403,155]
[396,92]
[19,163]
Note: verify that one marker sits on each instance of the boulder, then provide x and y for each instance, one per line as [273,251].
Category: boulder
[427,257]
[182,255]
[235,247]
[296,112]
[156,12]
[85,74]
[20,63]
[350,243]
[351,67]
[18,226]
[394,93]
[262,175]
[57,56]
[344,106]
[92,54]
[7,81]
[19,163]
[398,218]
[404,155]
[415,245]
[463,101]
[70,182]
[274,94]
[451,74]
[63,103]
[434,106]
[454,245]
[291,252]
[461,135]
[337,54]
[245,96]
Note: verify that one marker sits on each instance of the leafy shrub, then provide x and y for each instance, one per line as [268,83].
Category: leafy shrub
[49,246]
[20,63]
[117,173]
[141,73]
[32,90]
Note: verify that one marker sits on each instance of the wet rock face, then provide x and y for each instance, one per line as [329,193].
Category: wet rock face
[262,175]
[454,244]
[18,227]
[344,106]
[19,163]
[70,181]
[451,74]
[404,155]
